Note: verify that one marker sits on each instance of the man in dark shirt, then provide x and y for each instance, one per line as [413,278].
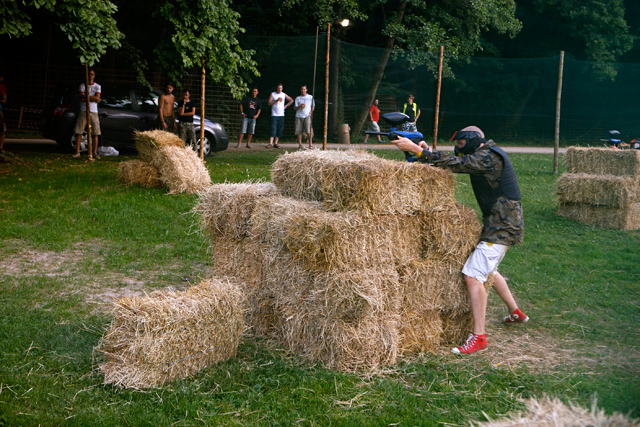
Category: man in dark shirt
[496,189]
[250,108]
[186,110]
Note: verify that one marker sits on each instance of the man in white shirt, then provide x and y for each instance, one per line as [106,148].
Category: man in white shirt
[81,122]
[277,103]
[304,106]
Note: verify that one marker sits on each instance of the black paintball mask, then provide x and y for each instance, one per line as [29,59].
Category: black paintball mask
[474,138]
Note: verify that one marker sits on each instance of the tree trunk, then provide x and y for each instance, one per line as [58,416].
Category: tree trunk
[377,76]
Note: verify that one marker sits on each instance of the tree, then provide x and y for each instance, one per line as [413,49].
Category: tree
[203,35]
[598,26]
[89,25]
[420,27]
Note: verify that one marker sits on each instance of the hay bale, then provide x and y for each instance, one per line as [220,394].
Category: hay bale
[225,209]
[150,141]
[168,335]
[348,320]
[602,216]
[449,233]
[603,161]
[548,412]
[334,240]
[359,181]
[137,172]
[455,326]
[181,170]
[598,190]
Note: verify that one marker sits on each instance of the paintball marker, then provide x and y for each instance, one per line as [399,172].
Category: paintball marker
[394,120]
[615,141]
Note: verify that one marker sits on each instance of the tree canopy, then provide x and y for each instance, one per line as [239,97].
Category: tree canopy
[203,34]
[89,26]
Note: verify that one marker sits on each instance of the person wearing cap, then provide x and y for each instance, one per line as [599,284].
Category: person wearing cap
[496,189]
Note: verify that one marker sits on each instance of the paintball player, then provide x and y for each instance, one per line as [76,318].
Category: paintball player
[496,189]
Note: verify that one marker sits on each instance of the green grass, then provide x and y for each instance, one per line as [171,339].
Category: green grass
[72,235]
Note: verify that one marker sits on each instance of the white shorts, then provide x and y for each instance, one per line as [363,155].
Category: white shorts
[484,260]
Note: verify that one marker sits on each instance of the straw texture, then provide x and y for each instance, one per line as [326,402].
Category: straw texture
[137,172]
[601,188]
[168,335]
[356,180]
[548,412]
[603,161]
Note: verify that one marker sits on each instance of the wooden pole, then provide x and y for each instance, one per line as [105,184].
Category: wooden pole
[313,93]
[435,124]
[202,112]
[556,146]
[88,103]
[326,91]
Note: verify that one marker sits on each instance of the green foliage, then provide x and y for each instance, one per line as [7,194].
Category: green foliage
[458,26]
[89,25]
[600,27]
[203,34]
[329,11]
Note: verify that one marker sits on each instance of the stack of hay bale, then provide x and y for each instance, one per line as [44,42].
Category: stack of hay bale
[601,187]
[165,162]
[346,258]
[168,335]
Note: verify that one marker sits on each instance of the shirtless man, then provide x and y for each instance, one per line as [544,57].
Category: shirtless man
[166,110]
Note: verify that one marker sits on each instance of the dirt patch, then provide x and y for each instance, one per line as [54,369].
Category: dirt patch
[99,290]
[514,346]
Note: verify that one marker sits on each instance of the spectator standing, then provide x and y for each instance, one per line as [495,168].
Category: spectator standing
[277,102]
[304,106]
[373,118]
[166,110]
[93,93]
[411,109]
[186,110]
[3,101]
[495,186]
[250,108]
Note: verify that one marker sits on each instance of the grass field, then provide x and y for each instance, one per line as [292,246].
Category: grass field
[73,239]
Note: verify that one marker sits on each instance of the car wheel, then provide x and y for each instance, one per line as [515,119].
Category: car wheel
[69,142]
[208,140]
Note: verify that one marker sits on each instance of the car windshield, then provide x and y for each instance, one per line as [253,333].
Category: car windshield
[147,100]
[117,98]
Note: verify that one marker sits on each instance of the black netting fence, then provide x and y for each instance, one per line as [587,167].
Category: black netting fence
[510,99]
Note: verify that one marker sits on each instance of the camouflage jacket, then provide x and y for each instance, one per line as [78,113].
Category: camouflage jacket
[505,223]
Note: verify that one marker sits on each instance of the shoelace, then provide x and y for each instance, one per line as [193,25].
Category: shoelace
[470,342]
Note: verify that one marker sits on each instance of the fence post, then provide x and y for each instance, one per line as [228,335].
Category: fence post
[556,146]
[435,124]
[20,117]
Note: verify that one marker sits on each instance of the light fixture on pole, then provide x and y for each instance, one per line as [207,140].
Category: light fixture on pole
[344,23]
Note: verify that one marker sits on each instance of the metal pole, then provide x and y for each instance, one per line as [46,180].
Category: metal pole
[556,146]
[326,90]
[435,124]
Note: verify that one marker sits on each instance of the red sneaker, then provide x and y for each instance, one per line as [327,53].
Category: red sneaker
[474,343]
[516,317]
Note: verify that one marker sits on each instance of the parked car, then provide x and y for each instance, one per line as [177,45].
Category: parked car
[124,108]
